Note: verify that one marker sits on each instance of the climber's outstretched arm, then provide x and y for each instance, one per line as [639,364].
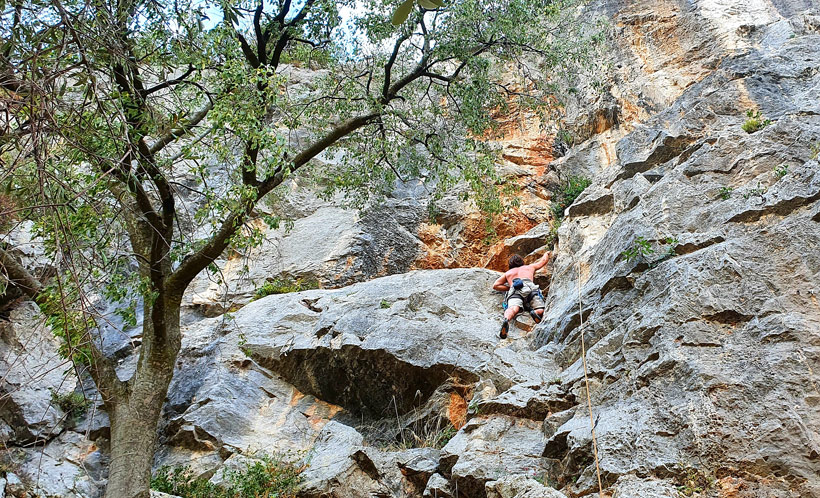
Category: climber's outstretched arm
[501,284]
[542,262]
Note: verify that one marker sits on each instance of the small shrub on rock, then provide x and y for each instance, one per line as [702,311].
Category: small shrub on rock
[640,248]
[270,477]
[755,122]
[695,482]
[570,191]
[73,404]
[426,438]
[755,192]
[643,248]
[180,481]
[284,286]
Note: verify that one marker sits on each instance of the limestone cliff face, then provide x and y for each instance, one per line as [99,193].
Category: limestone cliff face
[698,346]
[693,258]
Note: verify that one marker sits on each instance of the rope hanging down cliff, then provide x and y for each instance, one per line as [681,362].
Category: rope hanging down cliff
[586,381]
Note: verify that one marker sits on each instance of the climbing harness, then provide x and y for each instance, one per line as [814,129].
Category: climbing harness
[515,291]
[517,286]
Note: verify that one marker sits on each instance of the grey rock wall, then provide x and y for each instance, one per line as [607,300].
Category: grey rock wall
[703,351]
[702,354]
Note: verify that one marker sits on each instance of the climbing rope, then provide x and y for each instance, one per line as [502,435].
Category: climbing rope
[586,380]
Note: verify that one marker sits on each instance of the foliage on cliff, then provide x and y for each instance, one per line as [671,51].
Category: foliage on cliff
[142,135]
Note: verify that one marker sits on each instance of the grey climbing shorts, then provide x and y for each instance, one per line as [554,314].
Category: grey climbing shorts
[517,297]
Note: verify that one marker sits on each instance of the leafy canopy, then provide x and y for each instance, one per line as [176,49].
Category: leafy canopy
[142,134]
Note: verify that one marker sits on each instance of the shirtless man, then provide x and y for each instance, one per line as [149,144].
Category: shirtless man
[528,290]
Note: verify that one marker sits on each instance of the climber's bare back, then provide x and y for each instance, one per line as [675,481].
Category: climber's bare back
[526,271]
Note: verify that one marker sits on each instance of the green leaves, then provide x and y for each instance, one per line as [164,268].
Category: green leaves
[755,121]
[434,114]
[402,12]
[431,4]
[570,190]
[642,248]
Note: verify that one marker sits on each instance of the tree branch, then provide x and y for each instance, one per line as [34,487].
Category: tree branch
[285,35]
[166,84]
[388,67]
[103,372]
[331,138]
[283,12]
[178,132]
[246,48]
[261,36]
[18,275]
[193,264]
[302,13]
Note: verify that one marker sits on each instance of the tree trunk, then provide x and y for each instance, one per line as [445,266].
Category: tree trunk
[135,415]
[133,439]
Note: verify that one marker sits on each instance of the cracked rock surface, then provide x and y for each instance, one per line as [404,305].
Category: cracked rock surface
[695,252]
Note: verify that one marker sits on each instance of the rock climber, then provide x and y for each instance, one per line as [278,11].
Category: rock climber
[521,290]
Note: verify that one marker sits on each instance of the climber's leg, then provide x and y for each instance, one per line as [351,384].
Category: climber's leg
[511,311]
[537,305]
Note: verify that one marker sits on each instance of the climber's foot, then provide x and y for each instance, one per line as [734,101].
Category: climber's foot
[504,328]
[535,316]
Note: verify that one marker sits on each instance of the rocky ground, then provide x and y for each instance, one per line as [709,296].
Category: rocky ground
[693,259]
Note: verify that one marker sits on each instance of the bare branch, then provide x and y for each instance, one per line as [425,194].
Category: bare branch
[166,84]
[18,275]
[196,262]
[388,67]
[180,131]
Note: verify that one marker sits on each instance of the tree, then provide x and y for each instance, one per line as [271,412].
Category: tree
[139,137]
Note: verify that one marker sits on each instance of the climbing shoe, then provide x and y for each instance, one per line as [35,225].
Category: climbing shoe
[535,316]
[504,328]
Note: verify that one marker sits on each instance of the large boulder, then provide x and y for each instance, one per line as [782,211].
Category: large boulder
[303,373]
[489,448]
[519,486]
[386,345]
[35,377]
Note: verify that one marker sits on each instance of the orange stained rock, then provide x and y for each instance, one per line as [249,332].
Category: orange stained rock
[731,487]
[496,256]
[437,248]
[457,410]
[91,448]
[348,264]
[524,141]
[659,38]
[474,248]
[534,153]
[318,413]
[296,398]
[631,112]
